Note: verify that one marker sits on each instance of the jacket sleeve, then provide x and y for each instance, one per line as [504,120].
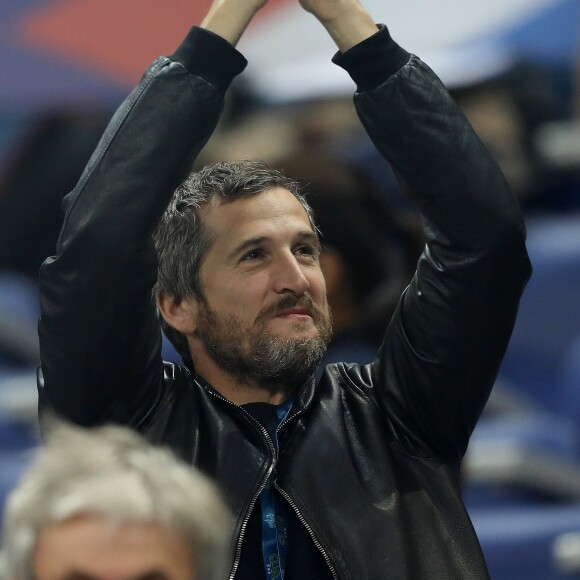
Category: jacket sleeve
[444,345]
[99,333]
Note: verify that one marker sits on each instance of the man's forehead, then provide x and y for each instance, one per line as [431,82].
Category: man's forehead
[267,209]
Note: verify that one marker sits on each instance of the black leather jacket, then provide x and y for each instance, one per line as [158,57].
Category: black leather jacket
[370,455]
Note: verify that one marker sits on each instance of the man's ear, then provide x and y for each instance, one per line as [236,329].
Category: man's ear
[181,315]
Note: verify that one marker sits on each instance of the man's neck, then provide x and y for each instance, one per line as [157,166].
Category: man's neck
[238,390]
[242,394]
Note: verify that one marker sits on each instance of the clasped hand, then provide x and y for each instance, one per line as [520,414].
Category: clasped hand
[324,10]
[328,10]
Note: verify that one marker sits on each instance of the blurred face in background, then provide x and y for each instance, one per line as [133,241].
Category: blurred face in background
[496,119]
[91,547]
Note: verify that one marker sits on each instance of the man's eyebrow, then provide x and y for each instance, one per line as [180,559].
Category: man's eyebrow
[309,236]
[303,235]
[249,243]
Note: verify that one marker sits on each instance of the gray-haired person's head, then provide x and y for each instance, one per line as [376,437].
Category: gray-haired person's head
[112,473]
[182,240]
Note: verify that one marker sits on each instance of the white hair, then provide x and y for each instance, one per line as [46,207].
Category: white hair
[114,473]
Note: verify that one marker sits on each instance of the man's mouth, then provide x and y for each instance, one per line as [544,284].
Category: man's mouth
[290,307]
[296,312]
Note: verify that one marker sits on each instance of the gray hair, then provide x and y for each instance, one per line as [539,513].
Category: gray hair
[182,240]
[113,472]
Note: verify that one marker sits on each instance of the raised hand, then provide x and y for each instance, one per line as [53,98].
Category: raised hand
[229,18]
[347,22]
[328,10]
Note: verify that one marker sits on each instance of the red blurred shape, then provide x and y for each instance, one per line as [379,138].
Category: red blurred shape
[116,37]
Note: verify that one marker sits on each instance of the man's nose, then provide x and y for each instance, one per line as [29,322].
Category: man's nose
[290,276]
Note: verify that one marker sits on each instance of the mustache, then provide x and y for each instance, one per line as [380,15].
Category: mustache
[289,301]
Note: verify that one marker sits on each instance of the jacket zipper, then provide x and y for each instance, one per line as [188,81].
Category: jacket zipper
[299,514]
[310,531]
[238,553]
[262,485]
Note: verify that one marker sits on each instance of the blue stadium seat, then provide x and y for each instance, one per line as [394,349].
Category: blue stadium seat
[548,323]
[12,466]
[522,543]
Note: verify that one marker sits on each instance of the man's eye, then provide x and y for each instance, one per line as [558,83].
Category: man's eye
[307,250]
[252,255]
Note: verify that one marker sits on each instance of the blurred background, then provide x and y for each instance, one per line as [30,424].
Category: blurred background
[514,68]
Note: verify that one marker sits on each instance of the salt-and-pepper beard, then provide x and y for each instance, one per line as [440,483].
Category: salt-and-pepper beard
[256,354]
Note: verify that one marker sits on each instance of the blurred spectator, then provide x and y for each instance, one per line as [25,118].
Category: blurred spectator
[508,112]
[105,504]
[45,168]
